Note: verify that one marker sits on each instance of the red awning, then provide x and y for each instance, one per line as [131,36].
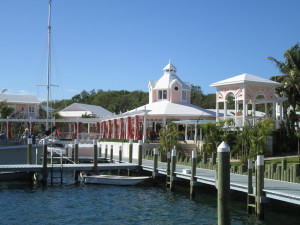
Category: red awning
[129,128]
[121,128]
[136,128]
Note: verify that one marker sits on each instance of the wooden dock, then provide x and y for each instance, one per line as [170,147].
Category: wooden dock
[279,190]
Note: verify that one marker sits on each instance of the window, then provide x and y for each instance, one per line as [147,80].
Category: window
[31,109]
[176,88]
[162,94]
[184,95]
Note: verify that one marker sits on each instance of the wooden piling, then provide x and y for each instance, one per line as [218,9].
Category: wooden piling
[76,173]
[168,180]
[29,151]
[100,150]
[111,155]
[44,170]
[130,154]
[95,156]
[250,204]
[223,184]
[155,162]
[130,150]
[106,149]
[193,174]
[173,169]
[259,187]
[140,153]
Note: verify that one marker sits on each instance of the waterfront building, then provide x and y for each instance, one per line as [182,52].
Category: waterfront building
[169,99]
[25,106]
[248,91]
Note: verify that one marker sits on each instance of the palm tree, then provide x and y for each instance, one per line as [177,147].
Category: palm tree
[291,85]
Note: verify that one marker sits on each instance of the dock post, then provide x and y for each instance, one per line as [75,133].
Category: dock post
[73,152]
[130,154]
[100,150]
[130,150]
[111,155]
[120,157]
[168,181]
[284,168]
[173,169]
[67,151]
[29,151]
[140,153]
[250,188]
[193,179]
[120,153]
[44,171]
[155,162]
[61,168]
[76,173]
[95,157]
[259,187]
[106,149]
[223,184]
[36,156]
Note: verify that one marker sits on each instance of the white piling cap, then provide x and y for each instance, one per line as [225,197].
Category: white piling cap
[29,141]
[155,151]
[194,154]
[131,141]
[173,152]
[95,141]
[140,142]
[260,160]
[223,147]
[45,141]
[120,148]
[169,155]
[76,142]
[250,166]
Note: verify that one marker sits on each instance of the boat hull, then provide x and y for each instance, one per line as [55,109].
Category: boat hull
[114,180]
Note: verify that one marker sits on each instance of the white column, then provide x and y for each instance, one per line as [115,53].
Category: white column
[281,111]
[185,132]
[225,109]
[201,138]
[145,128]
[274,111]
[244,105]
[196,133]
[217,111]
[89,127]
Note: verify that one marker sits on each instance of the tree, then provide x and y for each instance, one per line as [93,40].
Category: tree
[291,86]
[5,110]
[169,138]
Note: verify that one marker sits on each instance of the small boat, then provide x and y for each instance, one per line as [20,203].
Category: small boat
[113,180]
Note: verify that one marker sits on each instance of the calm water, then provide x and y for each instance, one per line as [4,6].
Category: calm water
[99,204]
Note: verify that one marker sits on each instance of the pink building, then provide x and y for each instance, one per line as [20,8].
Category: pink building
[25,106]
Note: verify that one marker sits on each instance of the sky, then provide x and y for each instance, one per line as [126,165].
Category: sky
[123,44]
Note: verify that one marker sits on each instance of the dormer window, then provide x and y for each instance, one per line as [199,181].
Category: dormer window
[167,70]
[162,94]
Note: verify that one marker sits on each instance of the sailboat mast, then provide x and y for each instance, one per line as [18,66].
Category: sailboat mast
[49,64]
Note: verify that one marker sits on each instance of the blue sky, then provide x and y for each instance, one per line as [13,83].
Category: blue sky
[122,44]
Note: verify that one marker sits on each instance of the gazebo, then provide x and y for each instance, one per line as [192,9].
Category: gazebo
[248,91]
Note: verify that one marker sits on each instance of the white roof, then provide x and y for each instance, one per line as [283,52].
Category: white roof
[245,78]
[168,78]
[166,108]
[78,109]
[25,99]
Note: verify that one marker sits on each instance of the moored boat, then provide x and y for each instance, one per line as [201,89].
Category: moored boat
[114,180]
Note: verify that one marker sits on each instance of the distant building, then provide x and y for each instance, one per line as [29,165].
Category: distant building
[77,110]
[25,106]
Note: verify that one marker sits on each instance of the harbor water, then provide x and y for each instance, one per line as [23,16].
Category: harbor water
[22,203]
